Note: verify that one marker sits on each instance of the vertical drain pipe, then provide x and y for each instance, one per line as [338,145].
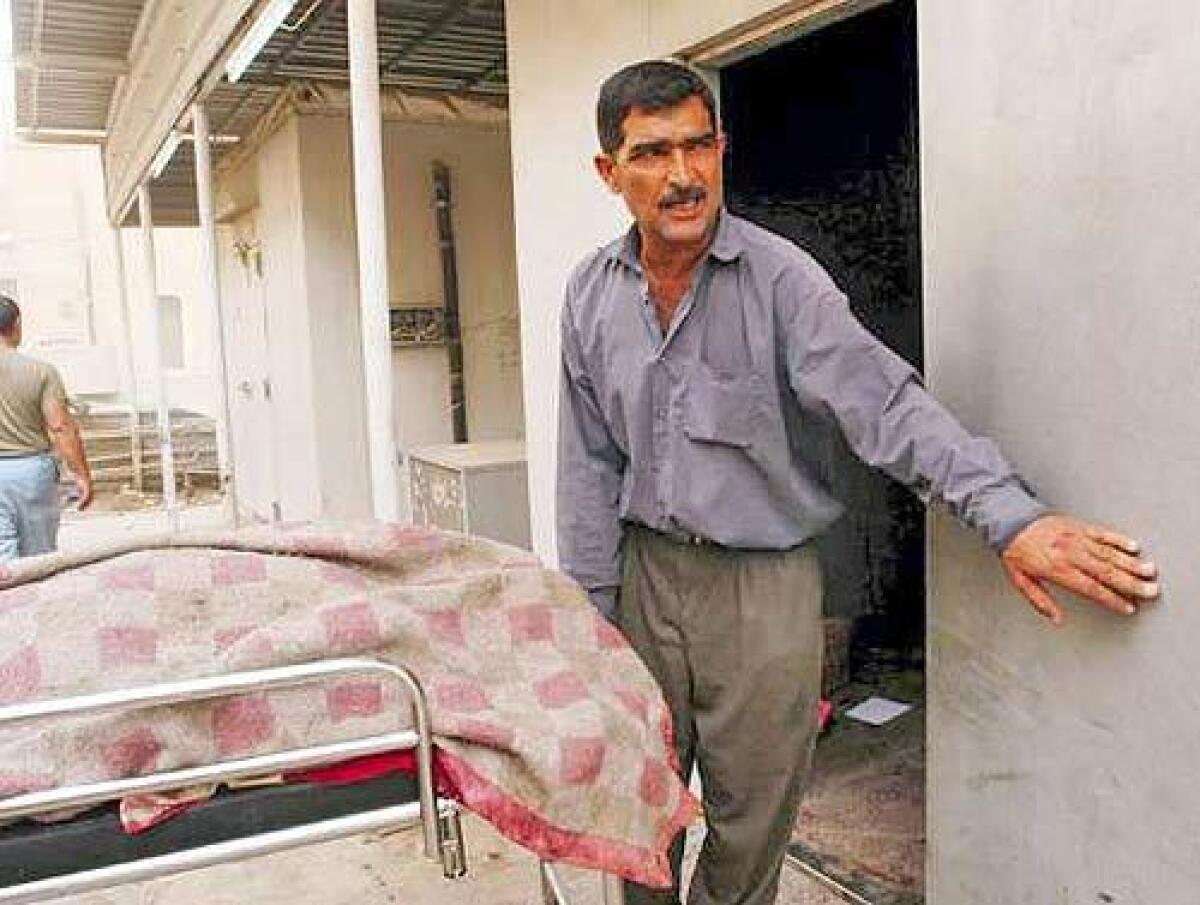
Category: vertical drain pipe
[454,349]
[166,452]
[211,284]
[371,224]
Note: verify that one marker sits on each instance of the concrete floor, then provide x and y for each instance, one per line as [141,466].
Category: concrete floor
[863,818]
[79,529]
[386,870]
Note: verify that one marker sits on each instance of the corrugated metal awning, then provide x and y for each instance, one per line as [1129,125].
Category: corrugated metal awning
[71,54]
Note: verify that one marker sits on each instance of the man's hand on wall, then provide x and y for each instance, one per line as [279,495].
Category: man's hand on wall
[1097,564]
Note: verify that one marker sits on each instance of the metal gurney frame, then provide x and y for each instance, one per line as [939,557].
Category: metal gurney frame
[439,818]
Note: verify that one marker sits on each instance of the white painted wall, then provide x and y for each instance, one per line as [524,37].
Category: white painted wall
[299,181]
[1060,187]
[281,232]
[177,254]
[59,249]
[331,287]
[1059,146]
[481,185]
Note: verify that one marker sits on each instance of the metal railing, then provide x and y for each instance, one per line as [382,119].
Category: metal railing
[439,819]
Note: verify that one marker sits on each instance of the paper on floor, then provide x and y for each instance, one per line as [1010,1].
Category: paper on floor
[877,711]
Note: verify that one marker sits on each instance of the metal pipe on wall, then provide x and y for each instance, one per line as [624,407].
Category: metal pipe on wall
[371,223]
[443,203]
[211,291]
[166,452]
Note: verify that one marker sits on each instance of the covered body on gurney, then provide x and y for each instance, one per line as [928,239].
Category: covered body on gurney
[544,722]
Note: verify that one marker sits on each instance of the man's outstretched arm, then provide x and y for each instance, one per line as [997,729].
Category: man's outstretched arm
[836,366]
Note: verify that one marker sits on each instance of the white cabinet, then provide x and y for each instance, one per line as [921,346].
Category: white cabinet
[478,488]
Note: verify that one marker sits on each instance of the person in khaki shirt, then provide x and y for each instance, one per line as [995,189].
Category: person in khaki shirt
[34,422]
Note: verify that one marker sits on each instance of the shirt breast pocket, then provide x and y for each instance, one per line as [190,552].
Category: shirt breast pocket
[722,408]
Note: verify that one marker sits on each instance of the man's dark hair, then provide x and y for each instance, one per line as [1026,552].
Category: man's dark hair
[9,315]
[650,85]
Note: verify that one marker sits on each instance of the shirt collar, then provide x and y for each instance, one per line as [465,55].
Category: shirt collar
[727,245]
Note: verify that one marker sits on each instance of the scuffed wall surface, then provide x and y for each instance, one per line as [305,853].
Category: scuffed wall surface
[1060,193]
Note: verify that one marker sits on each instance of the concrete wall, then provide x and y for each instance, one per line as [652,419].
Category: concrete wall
[53,232]
[331,288]
[289,323]
[177,256]
[1059,143]
[1061,192]
[481,184]
[478,158]
[60,250]
[299,185]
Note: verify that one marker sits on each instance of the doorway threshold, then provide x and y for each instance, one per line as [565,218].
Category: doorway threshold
[856,890]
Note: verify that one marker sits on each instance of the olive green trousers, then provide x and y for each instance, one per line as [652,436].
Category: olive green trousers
[734,639]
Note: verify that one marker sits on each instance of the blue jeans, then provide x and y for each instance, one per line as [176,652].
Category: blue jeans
[29,510]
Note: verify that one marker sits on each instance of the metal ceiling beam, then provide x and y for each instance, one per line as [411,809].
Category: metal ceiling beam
[99,136]
[39,23]
[299,72]
[453,11]
[401,80]
[309,26]
[250,90]
[141,31]
[471,82]
[182,42]
[76,64]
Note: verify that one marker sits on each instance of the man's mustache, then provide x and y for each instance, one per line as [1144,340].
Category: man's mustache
[683,195]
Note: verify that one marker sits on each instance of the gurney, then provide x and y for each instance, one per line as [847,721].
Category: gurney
[90,851]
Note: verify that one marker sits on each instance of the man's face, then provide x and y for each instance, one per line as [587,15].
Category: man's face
[668,170]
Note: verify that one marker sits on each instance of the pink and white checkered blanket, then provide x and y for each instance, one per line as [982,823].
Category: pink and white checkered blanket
[545,720]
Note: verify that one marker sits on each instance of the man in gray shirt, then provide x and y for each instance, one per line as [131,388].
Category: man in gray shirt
[696,349]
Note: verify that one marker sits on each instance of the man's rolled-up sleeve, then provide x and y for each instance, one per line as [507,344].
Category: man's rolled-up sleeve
[835,366]
[590,471]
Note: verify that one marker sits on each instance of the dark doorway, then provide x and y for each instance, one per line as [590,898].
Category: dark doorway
[823,150]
